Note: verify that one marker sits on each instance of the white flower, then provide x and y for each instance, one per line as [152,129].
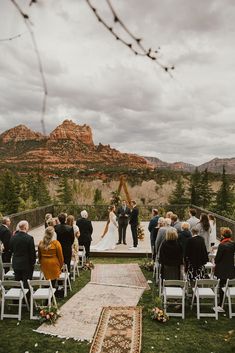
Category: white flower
[35,345]
[168,339]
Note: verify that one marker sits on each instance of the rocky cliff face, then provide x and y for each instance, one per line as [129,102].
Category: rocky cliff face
[20,133]
[216,165]
[68,147]
[173,166]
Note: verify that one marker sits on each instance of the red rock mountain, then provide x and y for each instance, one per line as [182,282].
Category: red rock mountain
[68,147]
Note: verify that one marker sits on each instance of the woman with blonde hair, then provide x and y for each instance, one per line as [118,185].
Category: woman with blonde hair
[170,255]
[75,246]
[50,255]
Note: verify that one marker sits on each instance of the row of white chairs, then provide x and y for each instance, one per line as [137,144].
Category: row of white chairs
[204,289]
[14,291]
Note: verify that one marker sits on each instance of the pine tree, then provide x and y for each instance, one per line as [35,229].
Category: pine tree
[195,188]
[9,195]
[206,192]
[225,196]
[178,195]
[64,194]
[97,197]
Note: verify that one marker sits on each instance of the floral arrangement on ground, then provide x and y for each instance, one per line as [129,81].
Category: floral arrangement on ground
[88,266]
[157,313]
[147,265]
[140,232]
[49,315]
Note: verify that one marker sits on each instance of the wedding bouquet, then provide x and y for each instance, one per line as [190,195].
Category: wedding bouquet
[49,314]
[159,314]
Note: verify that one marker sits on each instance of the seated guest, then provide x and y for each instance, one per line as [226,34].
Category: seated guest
[195,256]
[65,235]
[224,260]
[86,230]
[170,256]
[184,235]
[24,255]
[50,255]
[5,236]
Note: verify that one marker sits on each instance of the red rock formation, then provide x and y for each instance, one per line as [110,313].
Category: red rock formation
[68,130]
[20,133]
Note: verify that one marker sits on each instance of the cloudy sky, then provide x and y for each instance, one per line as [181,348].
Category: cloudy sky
[129,101]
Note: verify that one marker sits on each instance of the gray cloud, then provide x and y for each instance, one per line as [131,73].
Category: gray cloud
[129,102]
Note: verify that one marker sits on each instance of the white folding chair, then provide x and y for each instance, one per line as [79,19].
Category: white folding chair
[74,268]
[65,279]
[156,270]
[81,256]
[8,272]
[229,292]
[37,274]
[206,289]
[209,266]
[174,289]
[13,290]
[40,290]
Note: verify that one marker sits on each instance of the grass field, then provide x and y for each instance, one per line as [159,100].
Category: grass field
[180,336]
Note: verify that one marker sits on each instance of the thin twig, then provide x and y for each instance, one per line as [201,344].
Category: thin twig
[29,24]
[12,38]
[149,53]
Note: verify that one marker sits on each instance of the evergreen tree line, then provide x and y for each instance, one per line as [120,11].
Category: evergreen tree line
[200,193]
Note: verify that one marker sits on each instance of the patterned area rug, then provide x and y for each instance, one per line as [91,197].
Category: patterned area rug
[119,331]
[129,275]
[80,314]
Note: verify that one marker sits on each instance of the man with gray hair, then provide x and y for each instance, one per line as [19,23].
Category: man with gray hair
[24,255]
[86,230]
[5,236]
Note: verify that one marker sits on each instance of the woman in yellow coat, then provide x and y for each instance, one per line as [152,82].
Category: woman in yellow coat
[50,256]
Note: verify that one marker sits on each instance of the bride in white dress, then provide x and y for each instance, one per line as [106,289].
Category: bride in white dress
[109,240]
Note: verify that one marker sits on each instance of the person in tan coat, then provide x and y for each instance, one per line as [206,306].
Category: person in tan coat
[50,255]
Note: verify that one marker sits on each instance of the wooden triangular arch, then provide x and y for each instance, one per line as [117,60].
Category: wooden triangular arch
[122,184]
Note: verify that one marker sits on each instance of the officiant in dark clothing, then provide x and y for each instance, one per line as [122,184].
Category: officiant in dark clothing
[134,221]
[123,214]
[65,235]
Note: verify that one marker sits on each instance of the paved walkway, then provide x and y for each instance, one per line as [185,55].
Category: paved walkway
[143,247]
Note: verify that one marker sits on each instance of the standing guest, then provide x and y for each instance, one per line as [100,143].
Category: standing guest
[86,230]
[170,256]
[204,229]
[65,235]
[48,216]
[5,237]
[224,261]
[184,235]
[24,255]
[123,214]
[134,221]
[153,230]
[195,256]
[169,214]
[50,255]
[75,248]
[175,223]
[212,222]
[161,236]
[193,220]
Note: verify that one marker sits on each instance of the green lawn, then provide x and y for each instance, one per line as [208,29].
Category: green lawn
[188,336]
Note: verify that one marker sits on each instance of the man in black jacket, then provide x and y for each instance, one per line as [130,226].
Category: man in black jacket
[65,235]
[123,213]
[5,236]
[24,255]
[134,221]
[86,230]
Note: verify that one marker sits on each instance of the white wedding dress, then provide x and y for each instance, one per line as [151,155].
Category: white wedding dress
[108,242]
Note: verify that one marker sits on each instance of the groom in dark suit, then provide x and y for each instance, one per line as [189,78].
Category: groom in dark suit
[123,214]
[134,221]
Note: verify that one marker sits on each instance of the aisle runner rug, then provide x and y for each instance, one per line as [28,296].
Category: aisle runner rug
[80,314]
[119,275]
[119,330]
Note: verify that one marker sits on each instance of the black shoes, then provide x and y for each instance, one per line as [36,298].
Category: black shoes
[118,243]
